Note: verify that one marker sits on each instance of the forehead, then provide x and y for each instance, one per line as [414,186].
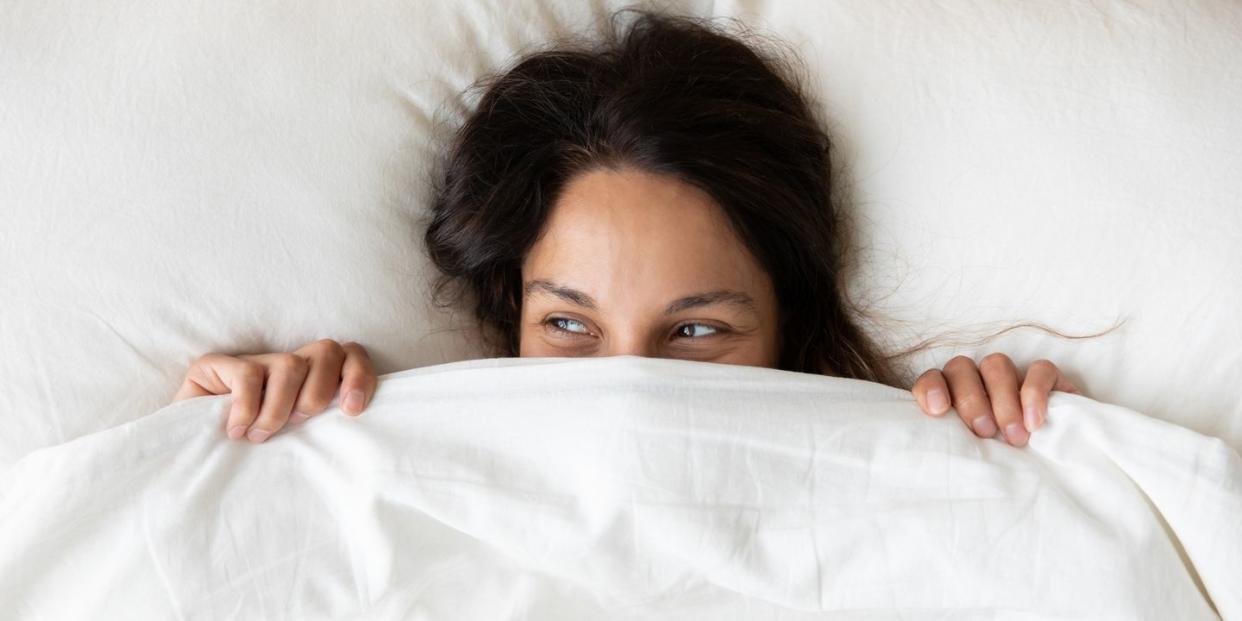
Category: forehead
[627,232]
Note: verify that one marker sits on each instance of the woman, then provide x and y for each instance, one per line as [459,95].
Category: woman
[664,194]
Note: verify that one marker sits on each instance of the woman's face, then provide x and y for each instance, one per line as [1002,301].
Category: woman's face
[646,265]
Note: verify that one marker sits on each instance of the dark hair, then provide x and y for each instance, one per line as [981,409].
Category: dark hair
[669,95]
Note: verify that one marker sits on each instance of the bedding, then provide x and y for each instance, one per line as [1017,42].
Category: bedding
[180,177]
[625,488]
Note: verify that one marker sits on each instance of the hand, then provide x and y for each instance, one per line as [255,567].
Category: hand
[269,390]
[988,397]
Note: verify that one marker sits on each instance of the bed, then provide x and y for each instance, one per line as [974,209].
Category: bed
[183,177]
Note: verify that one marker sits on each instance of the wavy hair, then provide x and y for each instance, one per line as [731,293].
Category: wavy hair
[671,96]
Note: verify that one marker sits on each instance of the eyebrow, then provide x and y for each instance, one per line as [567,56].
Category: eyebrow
[698,300]
[724,296]
[573,296]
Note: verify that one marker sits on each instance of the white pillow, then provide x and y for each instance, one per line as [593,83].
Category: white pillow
[183,177]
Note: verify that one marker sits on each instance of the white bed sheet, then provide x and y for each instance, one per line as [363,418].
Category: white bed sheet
[625,488]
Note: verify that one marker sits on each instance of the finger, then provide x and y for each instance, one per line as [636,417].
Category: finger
[1041,377]
[1000,378]
[932,392]
[200,380]
[245,380]
[1064,384]
[358,379]
[969,396]
[190,389]
[285,373]
[326,358]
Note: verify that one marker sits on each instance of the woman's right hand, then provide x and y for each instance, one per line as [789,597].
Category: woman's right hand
[269,390]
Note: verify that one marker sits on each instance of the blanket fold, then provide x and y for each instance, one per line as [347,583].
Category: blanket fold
[621,488]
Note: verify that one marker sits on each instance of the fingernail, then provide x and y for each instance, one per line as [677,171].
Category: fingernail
[258,435]
[984,426]
[938,402]
[236,432]
[353,402]
[1030,416]
[1015,434]
[299,417]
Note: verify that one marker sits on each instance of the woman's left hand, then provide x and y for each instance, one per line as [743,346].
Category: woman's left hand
[989,397]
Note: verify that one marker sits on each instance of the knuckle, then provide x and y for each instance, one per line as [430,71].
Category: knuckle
[312,404]
[960,362]
[251,371]
[1042,365]
[355,348]
[328,346]
[995,361]
[290,362]
[207,360]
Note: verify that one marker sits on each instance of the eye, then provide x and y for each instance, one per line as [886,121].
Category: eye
[695,330]
[570,326]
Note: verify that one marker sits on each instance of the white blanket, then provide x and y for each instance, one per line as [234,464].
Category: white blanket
[626,488]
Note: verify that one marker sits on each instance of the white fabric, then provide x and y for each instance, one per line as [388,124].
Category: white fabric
[625,488]
[186,176]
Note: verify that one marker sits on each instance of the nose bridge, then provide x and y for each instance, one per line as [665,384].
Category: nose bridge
[632,343]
